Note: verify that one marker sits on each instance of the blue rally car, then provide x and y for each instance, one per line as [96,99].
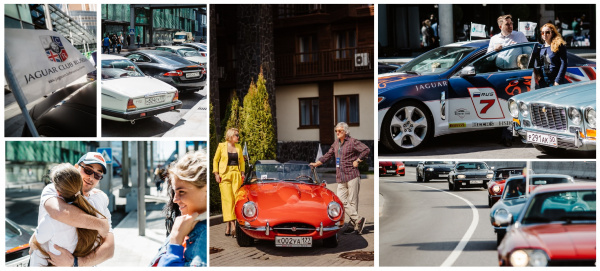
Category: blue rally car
[458,88]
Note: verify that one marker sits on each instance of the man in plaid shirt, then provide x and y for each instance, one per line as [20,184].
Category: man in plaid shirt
[348,153]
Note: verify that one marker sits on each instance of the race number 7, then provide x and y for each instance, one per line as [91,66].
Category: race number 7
[488,103]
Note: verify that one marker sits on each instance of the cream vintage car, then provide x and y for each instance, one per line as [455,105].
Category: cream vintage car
[128,94]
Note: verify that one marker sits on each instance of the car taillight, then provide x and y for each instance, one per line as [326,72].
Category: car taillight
[173,73]
[203,54]
[130,105]
[203,71]
[176,97]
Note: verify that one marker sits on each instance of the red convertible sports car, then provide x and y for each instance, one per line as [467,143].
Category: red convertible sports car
[557,227]
[496,185]
[286,203]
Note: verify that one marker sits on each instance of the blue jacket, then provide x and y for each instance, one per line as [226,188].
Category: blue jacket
[194,253]
[558,64]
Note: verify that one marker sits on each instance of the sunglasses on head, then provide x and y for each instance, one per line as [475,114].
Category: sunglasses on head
[90,171]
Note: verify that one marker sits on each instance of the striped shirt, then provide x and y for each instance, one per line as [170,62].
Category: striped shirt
[351,150]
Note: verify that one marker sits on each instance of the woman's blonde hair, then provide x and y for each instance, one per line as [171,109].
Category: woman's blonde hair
[230,133]
[69,184]
[557,39]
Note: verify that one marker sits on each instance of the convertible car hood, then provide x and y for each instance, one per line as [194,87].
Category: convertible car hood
[563,241]
[287,200]
[136,86]
[574,94]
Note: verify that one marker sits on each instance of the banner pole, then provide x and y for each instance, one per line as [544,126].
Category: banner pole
[19,96]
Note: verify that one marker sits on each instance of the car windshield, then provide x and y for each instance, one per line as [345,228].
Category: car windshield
[180,37]
[471,166]
[288,172]
[515,188]
[120,68]
[438,163]
[437,60]
[504,174]
[172,59]
[564,207]
[188,52]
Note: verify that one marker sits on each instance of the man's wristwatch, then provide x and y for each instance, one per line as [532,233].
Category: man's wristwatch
[75,262]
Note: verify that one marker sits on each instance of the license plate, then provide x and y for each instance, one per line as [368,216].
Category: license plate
[476,182]
[549,140]
[391,171]
[192,74]
[281,241]
[443,175]
[155,100]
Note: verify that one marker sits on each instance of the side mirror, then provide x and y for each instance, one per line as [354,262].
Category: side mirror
[467,71]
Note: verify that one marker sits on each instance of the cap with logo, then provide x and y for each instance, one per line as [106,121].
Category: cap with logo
[93,158]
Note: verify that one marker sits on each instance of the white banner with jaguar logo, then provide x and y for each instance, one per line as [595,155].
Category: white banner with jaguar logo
[528,28]
[43,61]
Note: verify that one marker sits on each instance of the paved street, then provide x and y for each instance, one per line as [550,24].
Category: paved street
[265,253]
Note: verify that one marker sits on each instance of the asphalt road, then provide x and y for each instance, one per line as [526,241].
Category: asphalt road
[429,226]
[264,253]
[475,145]
[156,125]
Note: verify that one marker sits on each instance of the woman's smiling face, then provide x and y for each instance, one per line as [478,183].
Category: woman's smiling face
[190,198]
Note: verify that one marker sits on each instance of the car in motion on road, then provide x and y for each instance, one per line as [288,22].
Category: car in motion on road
[128,94]
[390,167]
[496,185]
[469,174]
[429,170]
[514,197]
[557,118]
[170,68]
[458,88]
[16,243]
[288,204]
[557,227]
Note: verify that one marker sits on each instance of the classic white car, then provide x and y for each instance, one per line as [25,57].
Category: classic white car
[128,94]
[188,53]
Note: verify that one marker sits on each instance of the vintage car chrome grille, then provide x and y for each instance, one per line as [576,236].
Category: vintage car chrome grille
[294,228]
[549,117]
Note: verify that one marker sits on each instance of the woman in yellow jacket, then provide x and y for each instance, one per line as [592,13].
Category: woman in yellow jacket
[228,167]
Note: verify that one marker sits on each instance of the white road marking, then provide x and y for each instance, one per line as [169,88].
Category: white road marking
[465,239]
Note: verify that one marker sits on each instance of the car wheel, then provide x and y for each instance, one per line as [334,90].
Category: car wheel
[490,203]
[425,179]
[499,237]
[419,178]
[331,241]
[450,186]
[407,126]
[456,186]
[243,239]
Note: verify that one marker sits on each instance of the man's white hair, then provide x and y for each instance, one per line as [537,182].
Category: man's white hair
[344,127]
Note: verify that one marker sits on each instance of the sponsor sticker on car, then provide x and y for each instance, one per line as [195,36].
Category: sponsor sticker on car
[543,139]
[293,241]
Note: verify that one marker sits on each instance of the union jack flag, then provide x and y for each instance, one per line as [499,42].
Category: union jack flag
[55,51]
[577,74]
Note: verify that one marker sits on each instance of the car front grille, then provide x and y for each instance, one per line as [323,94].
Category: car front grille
[294,228]
[549,117]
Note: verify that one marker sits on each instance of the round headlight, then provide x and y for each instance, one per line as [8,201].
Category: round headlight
[249,211]
[524,109]
[429,169]
[496,189]
[502,217]
[513,108]
[489,176]
[460,176]
[334,210]
[575,115]
[538,258]
[590,117]
[519,258]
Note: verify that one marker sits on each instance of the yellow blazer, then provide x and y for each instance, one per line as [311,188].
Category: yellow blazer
[221,158]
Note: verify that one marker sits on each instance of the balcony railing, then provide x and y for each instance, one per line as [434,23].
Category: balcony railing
[326,62]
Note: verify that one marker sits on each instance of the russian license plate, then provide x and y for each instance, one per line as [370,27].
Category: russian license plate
[549,140]
[443,175]
[391,171]
[192,74]
[282,241]
[155,100]
[477,182]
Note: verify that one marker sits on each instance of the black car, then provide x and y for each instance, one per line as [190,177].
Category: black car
[433,170]
[470,174]
[67,112]
[16,244]
[186,76]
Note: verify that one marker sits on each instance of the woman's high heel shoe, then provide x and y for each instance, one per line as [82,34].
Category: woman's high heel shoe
[228,232]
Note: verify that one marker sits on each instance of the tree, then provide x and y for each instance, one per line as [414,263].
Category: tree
[257,122]
[232,114]
[215,192]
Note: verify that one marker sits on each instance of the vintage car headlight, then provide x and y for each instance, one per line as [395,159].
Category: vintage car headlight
[496,189]
[334,211]
[575,115]
[513,108]
[461,176]
[521,258]
[502,217]
[524,109]
[538,258]
[590,117]
[429,169]
[249,211]
[489,176]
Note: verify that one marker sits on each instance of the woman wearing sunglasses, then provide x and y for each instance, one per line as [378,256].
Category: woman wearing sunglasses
[228,167]
[551,66]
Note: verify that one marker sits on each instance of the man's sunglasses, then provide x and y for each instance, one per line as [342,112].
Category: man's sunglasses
[89,171]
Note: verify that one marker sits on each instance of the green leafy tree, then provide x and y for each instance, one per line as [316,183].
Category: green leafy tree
[257,122]
[233,115]
[215,192]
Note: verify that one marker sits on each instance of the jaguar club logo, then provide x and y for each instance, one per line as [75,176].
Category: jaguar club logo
[55,51]
[527,27]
